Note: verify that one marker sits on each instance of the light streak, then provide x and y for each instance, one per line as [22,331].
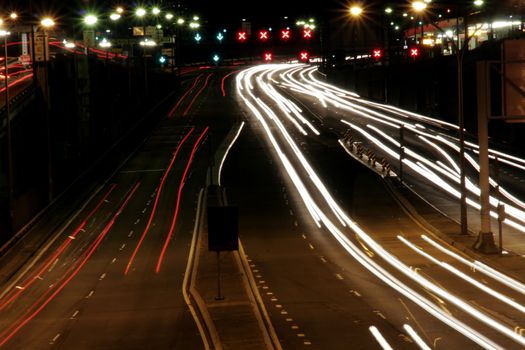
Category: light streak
[417,339]
[228,150]
[157,196]
[379,338]
[319,216]
[177,206]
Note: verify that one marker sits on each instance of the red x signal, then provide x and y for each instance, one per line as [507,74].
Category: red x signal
[377,53]
[303,56]
[268,56]
[414,52]
[285,34]
[263,35]
[241,36]
[307,33]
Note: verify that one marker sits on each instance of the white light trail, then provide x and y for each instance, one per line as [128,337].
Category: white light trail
[352,249]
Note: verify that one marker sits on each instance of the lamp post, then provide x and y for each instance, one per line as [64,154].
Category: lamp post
[461,48]
[10,178]
[46,24]
[355,12]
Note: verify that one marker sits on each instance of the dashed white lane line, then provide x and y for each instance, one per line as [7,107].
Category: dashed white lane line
[323,260]
[311,246]
[122,246]
[90,294]
[130,234]
[74,315]
[136,222]
[113,261]
[102,276]
[54,339]
[339,276]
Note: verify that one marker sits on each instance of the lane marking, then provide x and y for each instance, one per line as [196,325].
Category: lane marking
[55,338]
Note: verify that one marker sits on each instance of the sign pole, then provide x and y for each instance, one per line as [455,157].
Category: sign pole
[219,294]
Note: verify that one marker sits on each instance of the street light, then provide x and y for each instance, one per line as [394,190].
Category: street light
[47,23]
[419,6]
[155,11]
[460,53]
[140,12]
[115,16]
[90,20]
[356,10]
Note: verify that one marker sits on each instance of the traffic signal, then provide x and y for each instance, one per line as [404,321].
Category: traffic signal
[264,35]
[197,38]
[307,33]
[414,52]
[162,60]
[285,34]
[216,58]
[377,54]
[220,37]
[268,56]
[242,36]
[304,56]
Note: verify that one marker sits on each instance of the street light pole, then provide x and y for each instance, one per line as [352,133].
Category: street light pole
[10,178]
[45,24]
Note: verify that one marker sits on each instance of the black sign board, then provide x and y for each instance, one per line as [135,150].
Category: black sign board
[223,229]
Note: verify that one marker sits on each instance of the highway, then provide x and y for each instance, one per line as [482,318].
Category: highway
[338,261]
[111,274]
[378,253]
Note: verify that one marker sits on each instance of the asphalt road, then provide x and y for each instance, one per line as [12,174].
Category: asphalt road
[111,275]
[342,217]
[339,263]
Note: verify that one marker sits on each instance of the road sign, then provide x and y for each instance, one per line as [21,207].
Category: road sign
[285,34]
[307,33]
[263,35]
[223,229]
[41,47]
[25,59]
[242,36]
[303,56]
